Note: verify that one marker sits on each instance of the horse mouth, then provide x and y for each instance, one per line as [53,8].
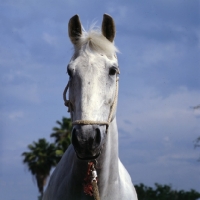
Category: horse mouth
[88,157]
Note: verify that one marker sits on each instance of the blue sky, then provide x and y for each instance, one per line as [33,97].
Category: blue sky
[159,62]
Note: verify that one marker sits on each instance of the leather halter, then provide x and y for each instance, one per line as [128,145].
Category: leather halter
[68,104]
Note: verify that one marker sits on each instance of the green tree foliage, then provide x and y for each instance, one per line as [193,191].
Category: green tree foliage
[40,159]
[61,134]
[164,192]
[43,156]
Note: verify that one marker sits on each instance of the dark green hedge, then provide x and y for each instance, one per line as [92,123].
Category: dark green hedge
[164,192]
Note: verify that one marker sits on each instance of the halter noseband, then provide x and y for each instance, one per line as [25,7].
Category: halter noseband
[68,104]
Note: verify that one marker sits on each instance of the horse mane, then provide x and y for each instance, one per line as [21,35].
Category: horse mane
[95,41]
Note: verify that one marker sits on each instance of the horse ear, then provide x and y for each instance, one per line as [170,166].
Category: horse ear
[108,27]
[74,29]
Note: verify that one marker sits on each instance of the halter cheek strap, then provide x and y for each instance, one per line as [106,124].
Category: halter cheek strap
[91,122]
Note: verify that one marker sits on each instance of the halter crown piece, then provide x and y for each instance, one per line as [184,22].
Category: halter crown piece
[68,104]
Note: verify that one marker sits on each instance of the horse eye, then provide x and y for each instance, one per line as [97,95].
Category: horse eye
[112,71]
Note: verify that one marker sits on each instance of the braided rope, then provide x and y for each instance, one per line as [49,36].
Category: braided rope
[95,190]
[89,122]
[66,102]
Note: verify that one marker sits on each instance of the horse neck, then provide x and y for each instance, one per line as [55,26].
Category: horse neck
[108,160]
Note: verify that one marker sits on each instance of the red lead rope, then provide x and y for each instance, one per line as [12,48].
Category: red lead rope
[87,186]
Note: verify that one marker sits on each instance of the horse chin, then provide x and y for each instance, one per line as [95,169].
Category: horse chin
[88,157]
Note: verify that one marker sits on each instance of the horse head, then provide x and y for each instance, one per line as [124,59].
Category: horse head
[93,75]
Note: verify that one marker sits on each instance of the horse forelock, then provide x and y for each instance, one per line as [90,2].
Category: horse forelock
[93,40]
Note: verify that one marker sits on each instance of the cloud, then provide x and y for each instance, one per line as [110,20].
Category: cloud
[52,40]
[152,112]
[16,115]
[156,136]
[28,93]
[157,64]
[158,160]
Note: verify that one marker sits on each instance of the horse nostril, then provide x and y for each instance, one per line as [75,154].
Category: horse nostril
[98,136]
[75,141]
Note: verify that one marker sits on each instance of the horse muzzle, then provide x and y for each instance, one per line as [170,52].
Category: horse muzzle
[88,140]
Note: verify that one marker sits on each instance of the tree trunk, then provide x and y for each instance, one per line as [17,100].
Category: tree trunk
[41,181]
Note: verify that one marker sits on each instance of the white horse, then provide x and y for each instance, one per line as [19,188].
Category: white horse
[93,90]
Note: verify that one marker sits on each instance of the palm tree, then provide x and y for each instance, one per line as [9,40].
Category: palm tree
[62,135]
[40,160]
